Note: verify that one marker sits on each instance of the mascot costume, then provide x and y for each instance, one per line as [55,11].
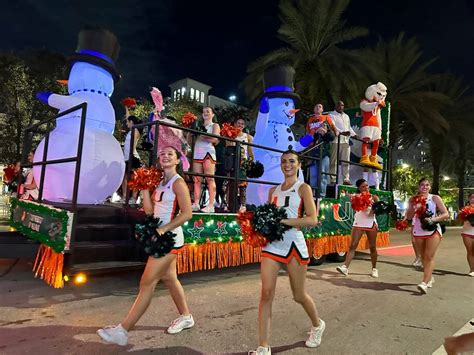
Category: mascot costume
[371,130]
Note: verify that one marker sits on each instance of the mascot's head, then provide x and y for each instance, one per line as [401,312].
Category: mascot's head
[376,92]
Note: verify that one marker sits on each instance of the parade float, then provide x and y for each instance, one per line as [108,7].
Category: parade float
[77,233]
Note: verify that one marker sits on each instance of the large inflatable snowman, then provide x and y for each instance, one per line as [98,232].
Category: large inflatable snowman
[273,129]
[91,80]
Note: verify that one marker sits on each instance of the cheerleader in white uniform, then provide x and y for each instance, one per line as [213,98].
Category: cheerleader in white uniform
[426,241]
[364,222]
[297,199]
[171,203]
[467,234]
[204,161]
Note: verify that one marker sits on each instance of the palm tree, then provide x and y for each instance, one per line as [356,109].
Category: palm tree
[313,31]
[453,146]
[415,106]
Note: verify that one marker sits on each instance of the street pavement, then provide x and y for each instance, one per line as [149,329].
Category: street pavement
[363,315]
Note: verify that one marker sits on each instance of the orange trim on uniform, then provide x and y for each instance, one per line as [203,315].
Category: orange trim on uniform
[374,228]
[207,156]
[427,236]
[467,235]
[286,259]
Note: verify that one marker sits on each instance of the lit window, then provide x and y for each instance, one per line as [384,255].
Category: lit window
[191,93]
[174,95]
[197,95]
[183,90]
[202,97]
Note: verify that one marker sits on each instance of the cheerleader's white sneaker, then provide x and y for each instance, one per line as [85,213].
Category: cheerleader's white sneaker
[315,335]
[181,323]
[114,334]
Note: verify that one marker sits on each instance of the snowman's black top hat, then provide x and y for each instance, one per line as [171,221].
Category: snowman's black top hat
[278,82]
[97,46]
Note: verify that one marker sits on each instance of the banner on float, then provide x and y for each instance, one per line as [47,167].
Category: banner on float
[46,224]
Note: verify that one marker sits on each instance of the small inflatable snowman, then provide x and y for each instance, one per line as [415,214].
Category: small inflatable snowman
[273,129]
[91,80]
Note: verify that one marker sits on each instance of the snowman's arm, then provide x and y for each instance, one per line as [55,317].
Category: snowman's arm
[299,147]
[262,123]
[63,102]
[368,106]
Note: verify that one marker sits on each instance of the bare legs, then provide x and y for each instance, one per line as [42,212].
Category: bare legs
[356,235]
[206,167]
[469,244]
[156,269]
[428,247]
[269,272]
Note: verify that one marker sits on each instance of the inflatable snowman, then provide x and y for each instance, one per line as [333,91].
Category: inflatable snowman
[91,80]
[273,129]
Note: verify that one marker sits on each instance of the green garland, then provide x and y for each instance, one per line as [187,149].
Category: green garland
[59,242]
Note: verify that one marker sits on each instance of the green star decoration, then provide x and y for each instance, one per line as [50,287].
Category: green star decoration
[196,230]
[221,228]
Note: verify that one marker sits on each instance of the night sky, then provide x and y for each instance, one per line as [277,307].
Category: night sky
[213,41]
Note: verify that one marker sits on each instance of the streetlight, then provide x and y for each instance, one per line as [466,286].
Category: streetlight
[405,166]
[232,98]
[446,178]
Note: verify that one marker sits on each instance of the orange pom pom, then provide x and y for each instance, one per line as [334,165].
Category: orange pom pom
[419,205]
[401,225]
[466,211]
[249,235]
[9,173]
[145,179]
[188,119]
[129,102]
[230,131]
[361,201]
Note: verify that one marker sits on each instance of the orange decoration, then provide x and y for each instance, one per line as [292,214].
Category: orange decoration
[145,179]
[62,82]
[401,225]
[48,266]
[230,131]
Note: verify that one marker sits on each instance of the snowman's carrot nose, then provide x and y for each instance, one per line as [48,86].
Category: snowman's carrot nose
[293,111]
[62,82]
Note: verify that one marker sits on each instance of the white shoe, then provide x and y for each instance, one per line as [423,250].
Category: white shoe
[431,282]
[315,335]
[180,323]
[261,350]
[242,209]
[343,270]
[423,287]
[132,201]
[114,334]
[195,207]
[375,273]
[471,274]
[418,263]
[208,209]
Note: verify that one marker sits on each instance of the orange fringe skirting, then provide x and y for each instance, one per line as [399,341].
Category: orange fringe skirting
[212,255]
[48,266]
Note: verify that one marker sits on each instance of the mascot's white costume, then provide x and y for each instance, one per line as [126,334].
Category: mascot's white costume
[371,130]
[273,129]
[91,80]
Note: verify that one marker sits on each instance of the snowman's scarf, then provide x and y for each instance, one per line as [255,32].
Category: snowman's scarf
[275,131]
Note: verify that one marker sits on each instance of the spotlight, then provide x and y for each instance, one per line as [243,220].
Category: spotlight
[80,279]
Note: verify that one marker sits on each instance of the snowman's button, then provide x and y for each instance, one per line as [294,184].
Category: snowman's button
[85,90]
[288,130]
[290,138]
[290,147]
[92,90]
[99,92]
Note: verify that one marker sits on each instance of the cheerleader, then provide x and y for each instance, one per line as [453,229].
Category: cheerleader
[297,199]
[426,240]
[171,204]
[204,161]
[364,222]
[467,234]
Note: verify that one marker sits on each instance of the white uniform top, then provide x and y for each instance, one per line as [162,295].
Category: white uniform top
[203,147]
[166,207]
[467,229]
[126,147]
[365,219]
[243,137]
[293,238]
[420,232]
